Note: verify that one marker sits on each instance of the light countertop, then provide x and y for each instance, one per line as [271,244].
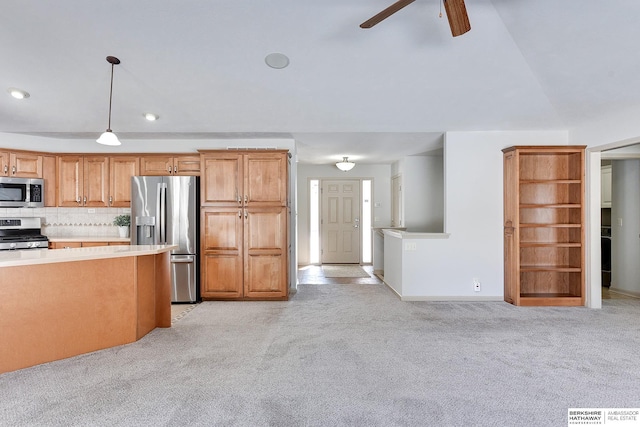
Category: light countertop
[89,239]
[46,256]
[414,235]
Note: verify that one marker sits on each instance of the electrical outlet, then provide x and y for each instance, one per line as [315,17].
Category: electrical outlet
[91,211]
[410,246]
[476,284]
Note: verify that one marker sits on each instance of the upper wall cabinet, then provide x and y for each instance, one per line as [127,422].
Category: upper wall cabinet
[244,179]
[19,164]
[49,167]
[170,165]
[83,181]
[96,181]
[121,169]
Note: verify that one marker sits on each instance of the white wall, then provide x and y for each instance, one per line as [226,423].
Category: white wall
[381,176]
[625,226]
[423,188]
[473,217]
[609,129]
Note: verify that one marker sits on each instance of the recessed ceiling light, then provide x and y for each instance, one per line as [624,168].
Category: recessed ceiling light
[277,60]
[151,117]
[18,93]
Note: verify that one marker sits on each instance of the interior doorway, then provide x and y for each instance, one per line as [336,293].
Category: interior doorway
[397,216]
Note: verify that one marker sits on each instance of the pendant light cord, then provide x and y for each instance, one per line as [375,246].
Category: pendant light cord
[110,97]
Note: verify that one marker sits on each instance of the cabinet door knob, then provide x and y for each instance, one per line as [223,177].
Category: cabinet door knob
[13,169]
[6,169]
[85,200]
[169,169]
[239,213]
[110,200]
[245,214]
[175,169]
[246,199]
[78,200]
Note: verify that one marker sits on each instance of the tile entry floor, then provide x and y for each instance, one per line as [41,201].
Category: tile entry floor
[608,294]
[313,275]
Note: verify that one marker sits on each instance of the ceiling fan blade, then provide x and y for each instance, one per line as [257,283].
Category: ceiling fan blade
[386,13]
[457,16]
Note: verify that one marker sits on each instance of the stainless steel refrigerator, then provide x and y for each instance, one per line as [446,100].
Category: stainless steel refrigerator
[164,211]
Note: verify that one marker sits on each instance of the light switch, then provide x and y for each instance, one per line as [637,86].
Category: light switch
[619,222]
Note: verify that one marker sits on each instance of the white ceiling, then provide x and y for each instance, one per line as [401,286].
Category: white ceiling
[374,95]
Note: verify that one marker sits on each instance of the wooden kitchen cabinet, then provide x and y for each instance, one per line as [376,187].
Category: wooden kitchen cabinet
[170,165]
[87,244]
[544,225]
[245,253]
[244,179]
[49,175]
[244,220]
[265,249]
[121,169]
[83,181]
[21,164]
[223,248]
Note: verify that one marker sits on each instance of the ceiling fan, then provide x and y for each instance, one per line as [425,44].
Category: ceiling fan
[456,14]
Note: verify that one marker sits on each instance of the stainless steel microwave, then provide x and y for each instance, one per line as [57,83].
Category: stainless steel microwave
[21,192]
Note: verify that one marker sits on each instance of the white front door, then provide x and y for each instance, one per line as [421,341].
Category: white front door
[340,221]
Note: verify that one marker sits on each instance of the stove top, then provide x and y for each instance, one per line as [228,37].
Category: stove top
[22,233]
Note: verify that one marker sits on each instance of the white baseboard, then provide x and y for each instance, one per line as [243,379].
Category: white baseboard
[445,298]
[453,298]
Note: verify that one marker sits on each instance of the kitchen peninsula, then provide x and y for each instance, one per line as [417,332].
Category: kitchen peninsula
[60,303]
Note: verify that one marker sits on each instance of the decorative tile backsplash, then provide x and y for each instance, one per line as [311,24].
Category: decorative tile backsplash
[71,222]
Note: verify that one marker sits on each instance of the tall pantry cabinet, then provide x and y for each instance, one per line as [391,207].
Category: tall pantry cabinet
[244,225]
[544,225]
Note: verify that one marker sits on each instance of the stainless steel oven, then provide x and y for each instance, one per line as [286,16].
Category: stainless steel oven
[22,233]
[21,192]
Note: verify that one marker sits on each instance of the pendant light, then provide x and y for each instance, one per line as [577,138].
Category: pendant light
[345,164]
[108,137]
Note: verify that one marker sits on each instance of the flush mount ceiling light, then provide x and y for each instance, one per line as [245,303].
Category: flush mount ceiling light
[151,117]
[18,93]
[277,60]
[108,137]
[345,164]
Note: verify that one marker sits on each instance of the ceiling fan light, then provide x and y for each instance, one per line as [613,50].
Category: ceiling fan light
[108,138]
[345,165]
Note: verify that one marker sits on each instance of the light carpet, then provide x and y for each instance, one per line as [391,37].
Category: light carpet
[345,270]
[338,355]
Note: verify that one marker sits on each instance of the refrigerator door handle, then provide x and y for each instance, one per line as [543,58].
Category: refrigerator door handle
[182,259]
[161,212]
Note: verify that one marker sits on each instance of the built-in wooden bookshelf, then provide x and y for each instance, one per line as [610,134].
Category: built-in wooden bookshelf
[544,225]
